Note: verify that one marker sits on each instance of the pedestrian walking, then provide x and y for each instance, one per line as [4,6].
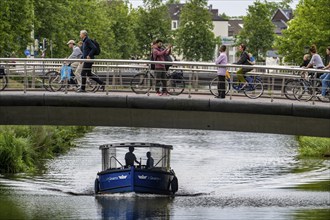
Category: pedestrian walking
[88,50]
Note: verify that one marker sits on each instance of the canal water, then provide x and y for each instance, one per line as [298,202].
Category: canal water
[222,175]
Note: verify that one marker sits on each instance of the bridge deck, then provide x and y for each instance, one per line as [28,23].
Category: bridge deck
[281,116]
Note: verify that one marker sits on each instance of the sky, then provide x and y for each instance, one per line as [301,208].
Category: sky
[229,7]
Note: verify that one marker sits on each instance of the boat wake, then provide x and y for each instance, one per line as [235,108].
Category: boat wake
[89,193]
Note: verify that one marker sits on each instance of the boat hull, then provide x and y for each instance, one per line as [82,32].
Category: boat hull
[135,180]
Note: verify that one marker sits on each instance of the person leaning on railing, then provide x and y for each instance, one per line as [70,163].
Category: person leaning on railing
[243,60]
[222,59]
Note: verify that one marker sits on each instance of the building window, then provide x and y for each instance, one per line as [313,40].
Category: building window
[174,25]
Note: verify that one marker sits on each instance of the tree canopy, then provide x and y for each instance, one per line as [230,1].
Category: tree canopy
[16,22]
[309,26]
[258,32]
[194,38]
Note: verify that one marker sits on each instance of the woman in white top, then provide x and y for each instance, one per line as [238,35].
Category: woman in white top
[316,61]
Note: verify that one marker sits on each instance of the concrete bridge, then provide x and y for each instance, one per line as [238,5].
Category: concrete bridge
[25,102]
[197,112]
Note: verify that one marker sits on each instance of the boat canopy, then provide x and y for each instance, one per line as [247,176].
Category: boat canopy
[113,155]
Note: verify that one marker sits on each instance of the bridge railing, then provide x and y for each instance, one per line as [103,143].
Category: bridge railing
[32,74]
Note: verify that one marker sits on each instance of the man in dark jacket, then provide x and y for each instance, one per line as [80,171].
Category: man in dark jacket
[243,60]
[88,50]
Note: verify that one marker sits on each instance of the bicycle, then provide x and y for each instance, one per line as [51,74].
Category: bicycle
[3,78]
[291,84]
[57,83]
[143,82]
[306,89]
[253,90]
[289,88]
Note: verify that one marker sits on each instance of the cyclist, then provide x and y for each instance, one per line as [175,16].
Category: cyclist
[243,60]
[325,77]
[76,54]
[316,60]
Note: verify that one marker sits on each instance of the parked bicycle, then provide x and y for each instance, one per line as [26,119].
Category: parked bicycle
[3,78]
[143,82]
[253,90]
[58,83]
[291,84]
[307,88]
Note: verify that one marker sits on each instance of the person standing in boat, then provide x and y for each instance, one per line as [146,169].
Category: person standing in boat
[150,161]
[130,157]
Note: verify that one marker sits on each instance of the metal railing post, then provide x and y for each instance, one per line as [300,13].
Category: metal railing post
[272,90]
[107,80]
[25,78]
[114,78]
[282,86]
[33,82]
[231,86]
[190,85]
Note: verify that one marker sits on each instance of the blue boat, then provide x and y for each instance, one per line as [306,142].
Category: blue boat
[123,172]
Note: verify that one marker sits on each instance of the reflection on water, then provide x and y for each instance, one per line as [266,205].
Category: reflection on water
[222,175]
[312,214]
[132,206]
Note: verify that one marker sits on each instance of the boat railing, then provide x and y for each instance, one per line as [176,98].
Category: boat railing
[160,160]
[116,160]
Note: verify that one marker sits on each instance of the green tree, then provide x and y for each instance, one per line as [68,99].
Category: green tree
[309,26]
[121,28]
[194,38]
[173,2]
[51,22]
[224,16]
[258,32]
[16,19]
[273,6]
[61,20]
[151,22]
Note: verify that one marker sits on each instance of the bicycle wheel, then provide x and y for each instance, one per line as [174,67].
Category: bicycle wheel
[213,86]
[303,91]
[289,87]
[46,79]
[55,82]
[3,82]
[141,84]
[255,89]
[175,86]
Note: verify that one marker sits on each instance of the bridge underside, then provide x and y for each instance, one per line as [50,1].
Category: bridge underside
[155,112]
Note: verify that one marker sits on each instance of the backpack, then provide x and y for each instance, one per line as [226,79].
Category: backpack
[97,45]
[168,58]
[152,66]
[2,70]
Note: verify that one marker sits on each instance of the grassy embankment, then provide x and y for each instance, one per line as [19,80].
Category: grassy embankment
[24,148]
[313,147]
